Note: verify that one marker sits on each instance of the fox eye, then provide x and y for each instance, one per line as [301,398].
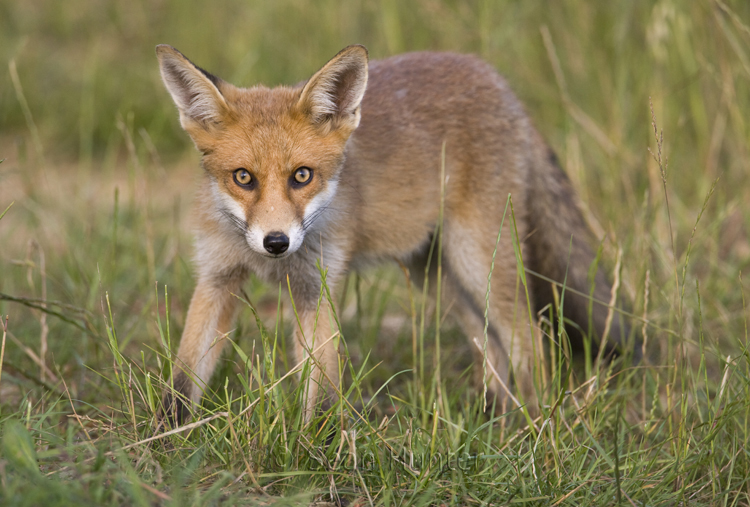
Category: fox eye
[243,178]
[302,176]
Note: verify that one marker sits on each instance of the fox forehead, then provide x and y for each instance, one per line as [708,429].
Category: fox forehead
[266,133]
[261,105]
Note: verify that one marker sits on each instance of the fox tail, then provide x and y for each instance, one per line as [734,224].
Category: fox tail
[559,246]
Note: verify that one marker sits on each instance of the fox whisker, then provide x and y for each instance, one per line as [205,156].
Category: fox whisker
[238,223]
[309,220]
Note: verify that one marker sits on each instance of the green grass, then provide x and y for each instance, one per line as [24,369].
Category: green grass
[95,272]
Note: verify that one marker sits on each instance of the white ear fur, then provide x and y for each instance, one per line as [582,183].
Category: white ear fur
[193,90]
[335,92]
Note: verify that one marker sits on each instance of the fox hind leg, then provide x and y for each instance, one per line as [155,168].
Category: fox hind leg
[467,260]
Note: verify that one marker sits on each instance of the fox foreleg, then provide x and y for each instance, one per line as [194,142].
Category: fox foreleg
[210,318]
[316,343]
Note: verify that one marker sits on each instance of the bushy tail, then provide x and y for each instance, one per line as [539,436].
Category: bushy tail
[556,220]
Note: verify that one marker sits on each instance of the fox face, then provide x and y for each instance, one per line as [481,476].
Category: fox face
[273,156]
[272,182]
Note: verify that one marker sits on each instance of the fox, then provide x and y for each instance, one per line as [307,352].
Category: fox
[366,162]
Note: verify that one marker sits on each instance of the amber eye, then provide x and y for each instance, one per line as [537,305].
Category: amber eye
[302,176]
[243,177]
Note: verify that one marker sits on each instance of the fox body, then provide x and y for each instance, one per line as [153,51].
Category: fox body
[345,169]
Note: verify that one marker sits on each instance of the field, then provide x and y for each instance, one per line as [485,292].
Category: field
[647,105]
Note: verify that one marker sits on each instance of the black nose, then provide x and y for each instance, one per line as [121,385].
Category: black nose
[276,243]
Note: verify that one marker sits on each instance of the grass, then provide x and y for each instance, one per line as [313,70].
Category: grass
[95,272]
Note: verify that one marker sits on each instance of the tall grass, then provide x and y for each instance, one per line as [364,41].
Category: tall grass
[95,275]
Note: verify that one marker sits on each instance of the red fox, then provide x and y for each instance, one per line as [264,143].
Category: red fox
[345,170]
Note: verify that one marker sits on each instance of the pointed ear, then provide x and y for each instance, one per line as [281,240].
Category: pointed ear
[195,91]
[332,97]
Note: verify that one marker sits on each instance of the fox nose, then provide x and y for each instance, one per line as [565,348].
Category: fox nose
[276,243]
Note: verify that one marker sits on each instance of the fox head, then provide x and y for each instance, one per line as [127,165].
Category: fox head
[272,156]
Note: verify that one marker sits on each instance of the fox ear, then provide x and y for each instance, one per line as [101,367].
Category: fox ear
[195,91]
[332,97]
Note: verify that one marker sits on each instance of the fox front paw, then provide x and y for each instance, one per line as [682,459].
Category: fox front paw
[176,410]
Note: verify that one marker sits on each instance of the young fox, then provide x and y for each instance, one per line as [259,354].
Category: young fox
[344,170]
